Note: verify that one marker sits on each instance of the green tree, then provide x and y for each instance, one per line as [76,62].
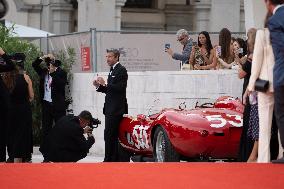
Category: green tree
[11,44]
[68,60]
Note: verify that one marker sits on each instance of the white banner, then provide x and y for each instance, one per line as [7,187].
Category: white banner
[139,52]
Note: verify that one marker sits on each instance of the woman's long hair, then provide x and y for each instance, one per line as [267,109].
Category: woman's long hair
[9,79]
[251,39]
[5,7]
[208,41]
[225,43]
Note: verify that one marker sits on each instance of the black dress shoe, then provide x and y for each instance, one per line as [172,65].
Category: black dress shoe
[27,160]
[281,160]
[10,160]
[45,161]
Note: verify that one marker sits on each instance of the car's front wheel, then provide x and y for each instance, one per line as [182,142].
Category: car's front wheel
[163,149]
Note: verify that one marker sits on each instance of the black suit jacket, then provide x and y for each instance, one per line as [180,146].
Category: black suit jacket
[4,95]
[66,142]
[115,90]
[59,80]
[276,28]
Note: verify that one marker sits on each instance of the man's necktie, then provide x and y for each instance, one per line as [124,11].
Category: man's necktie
[110,71]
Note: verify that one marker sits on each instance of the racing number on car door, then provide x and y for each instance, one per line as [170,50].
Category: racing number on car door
[140,136]
[237,118]
[223,122]
[218,118]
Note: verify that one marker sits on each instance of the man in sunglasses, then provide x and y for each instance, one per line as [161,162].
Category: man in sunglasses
[187,42]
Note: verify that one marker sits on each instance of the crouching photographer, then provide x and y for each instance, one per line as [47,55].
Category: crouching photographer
[66,141]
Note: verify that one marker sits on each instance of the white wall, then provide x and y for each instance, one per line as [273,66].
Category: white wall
[171,88]
[225,14]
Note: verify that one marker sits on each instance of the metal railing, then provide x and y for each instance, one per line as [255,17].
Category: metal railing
[146,42]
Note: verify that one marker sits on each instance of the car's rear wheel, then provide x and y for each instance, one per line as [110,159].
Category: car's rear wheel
[163,149]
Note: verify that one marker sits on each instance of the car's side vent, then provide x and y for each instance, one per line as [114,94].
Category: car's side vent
[219,134]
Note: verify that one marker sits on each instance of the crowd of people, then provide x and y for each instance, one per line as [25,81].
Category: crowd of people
[259,61]
[230,53]
[16,90]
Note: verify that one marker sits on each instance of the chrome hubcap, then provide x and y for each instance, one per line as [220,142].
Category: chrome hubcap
[160,147]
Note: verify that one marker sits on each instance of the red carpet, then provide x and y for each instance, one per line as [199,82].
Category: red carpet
[142,175]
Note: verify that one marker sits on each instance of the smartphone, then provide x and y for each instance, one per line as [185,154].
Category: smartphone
[253,98]
[167,46]
[218,50]
[240,50]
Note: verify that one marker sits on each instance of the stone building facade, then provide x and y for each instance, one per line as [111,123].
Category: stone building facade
[65,16]
[194,15]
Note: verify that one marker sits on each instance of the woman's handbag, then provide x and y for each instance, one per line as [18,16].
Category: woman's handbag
[261,85]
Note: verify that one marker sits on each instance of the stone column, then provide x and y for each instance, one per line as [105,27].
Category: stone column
[161,4]
[118,5]
[99,14]
[56,16]
[202,14]
[242,17]
[23,13]
[225,13]
[255,12]
[179,16]
[3,8]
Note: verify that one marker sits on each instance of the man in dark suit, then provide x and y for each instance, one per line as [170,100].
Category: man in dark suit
[53,80]
[276,28]
[66,141]
[6,65]
[115,103]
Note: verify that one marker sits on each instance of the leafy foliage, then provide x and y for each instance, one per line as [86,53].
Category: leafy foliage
[11,45]
[68,60]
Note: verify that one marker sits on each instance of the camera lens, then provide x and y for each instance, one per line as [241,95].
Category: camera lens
[47,60]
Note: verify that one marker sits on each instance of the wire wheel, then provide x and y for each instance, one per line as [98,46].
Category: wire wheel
[163,149]
[160,147]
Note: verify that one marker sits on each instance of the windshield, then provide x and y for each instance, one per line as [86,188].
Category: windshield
[155,106]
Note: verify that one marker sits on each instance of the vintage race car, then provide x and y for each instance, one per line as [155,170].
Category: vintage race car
[209,131]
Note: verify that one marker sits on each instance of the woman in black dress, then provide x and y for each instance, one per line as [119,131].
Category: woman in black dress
[21,93]
[5,66]
[246,144]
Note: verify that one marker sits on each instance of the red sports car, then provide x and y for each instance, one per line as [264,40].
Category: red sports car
[209,131]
